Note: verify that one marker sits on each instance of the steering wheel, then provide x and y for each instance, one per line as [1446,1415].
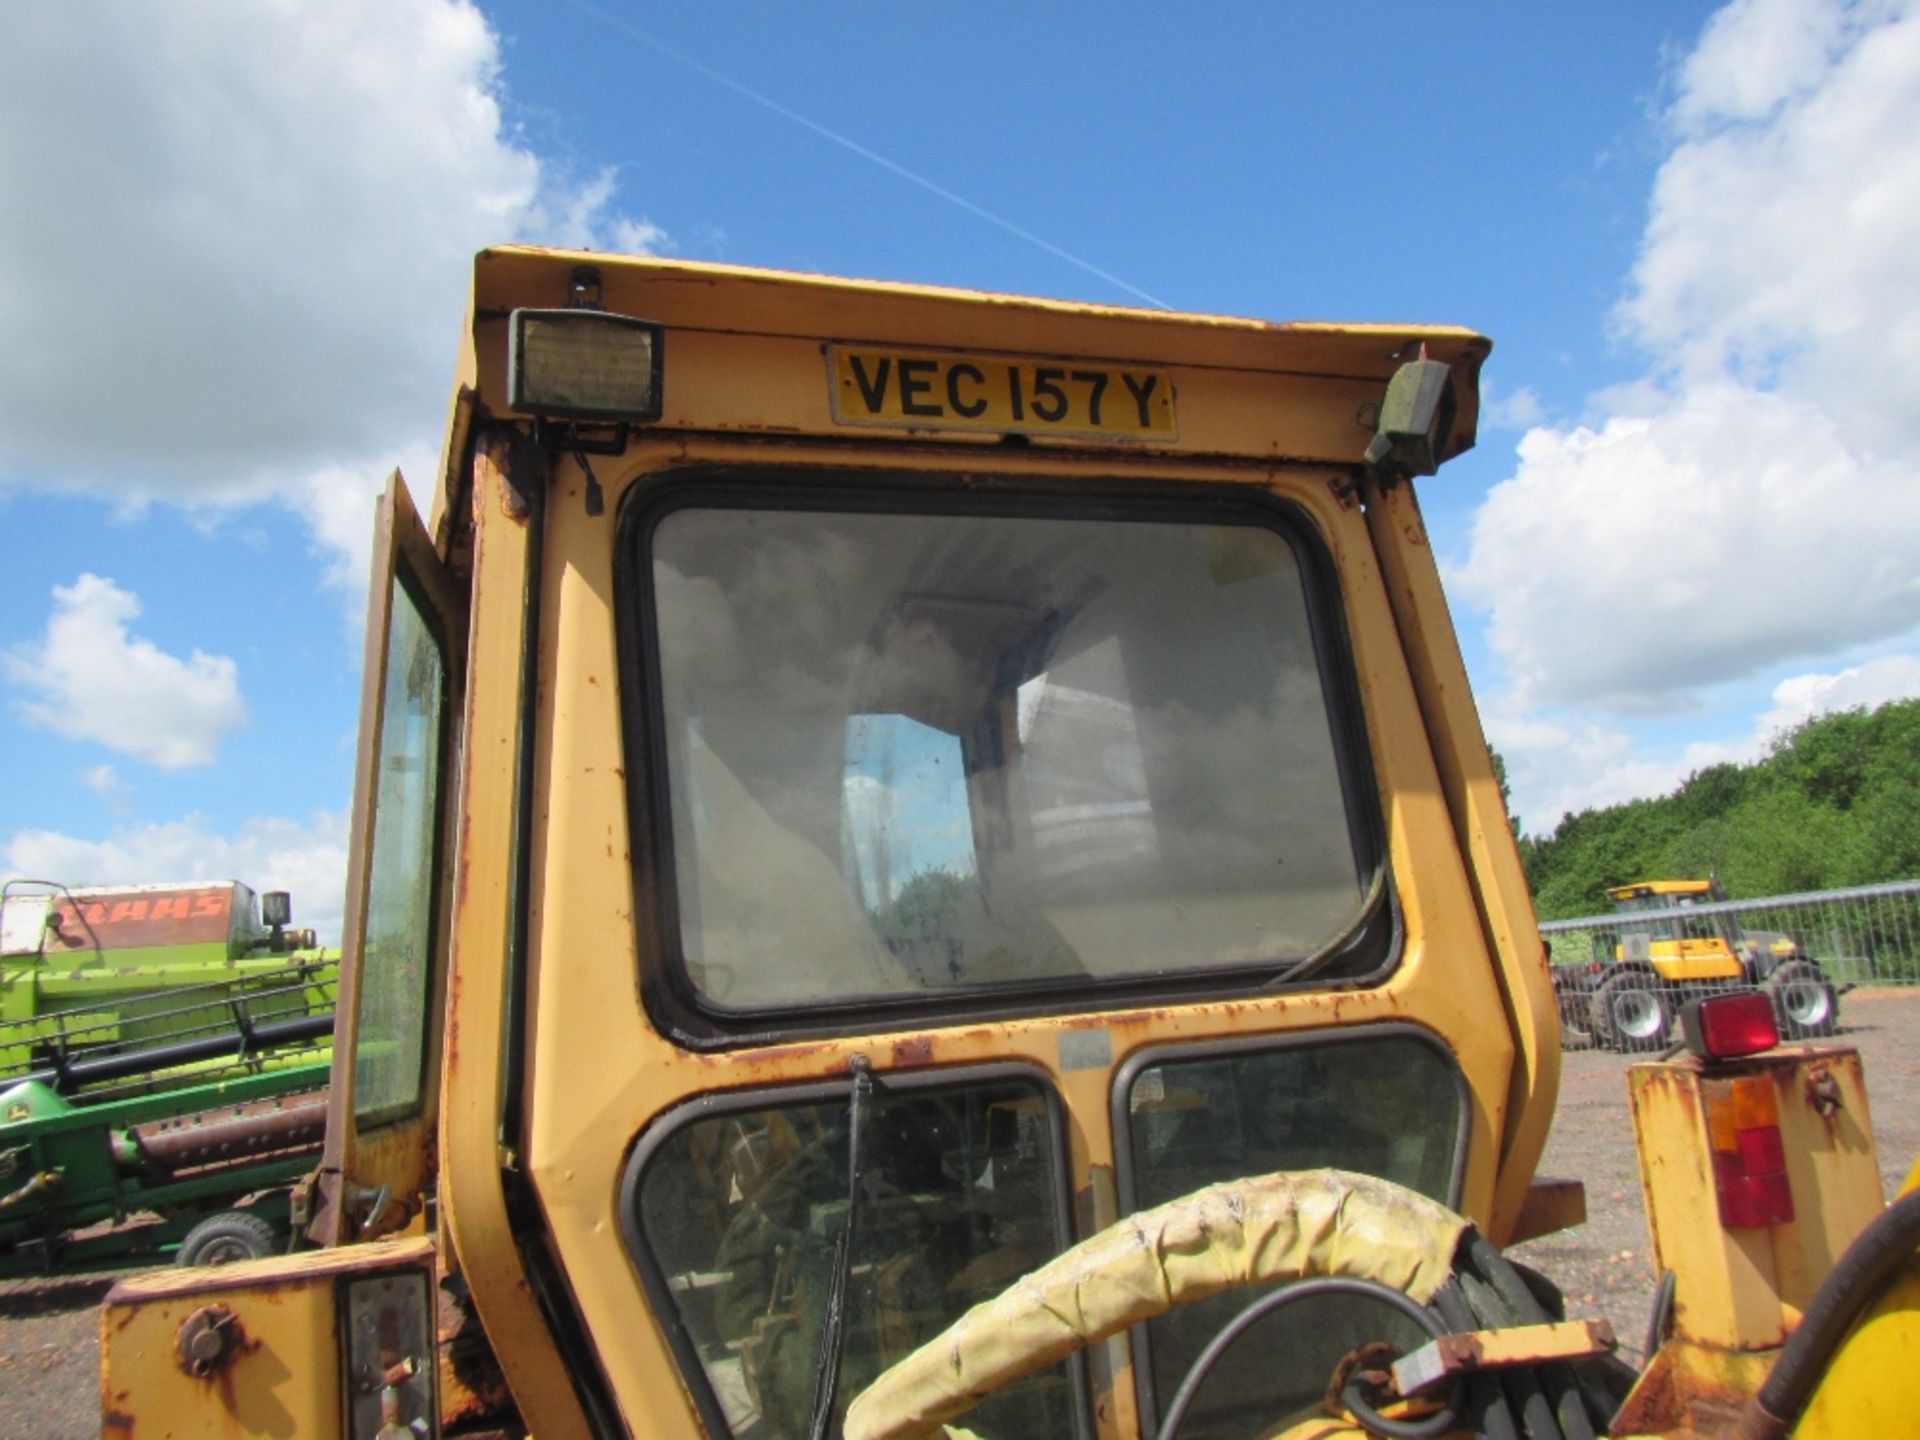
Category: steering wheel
[1296,1225]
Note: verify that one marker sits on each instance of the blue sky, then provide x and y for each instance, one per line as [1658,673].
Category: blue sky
[236,239]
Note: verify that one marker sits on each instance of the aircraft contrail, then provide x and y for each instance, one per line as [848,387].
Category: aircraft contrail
[846,143]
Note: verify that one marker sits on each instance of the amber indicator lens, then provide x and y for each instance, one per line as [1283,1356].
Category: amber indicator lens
[1749,1157]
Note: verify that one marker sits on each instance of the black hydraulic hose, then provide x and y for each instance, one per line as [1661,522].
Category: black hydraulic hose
[1488,1412]
[1876,1253]
[1552,1400]
[826,1375]
[65,1075]
[1535,1413]
[1436,1424]
[1660,1321]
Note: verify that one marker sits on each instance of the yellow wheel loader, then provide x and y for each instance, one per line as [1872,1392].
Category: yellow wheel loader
[924,861]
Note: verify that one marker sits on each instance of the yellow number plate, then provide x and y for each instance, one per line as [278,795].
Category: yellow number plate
[987,392]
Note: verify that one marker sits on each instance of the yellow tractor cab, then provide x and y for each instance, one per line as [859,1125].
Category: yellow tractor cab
[915,851]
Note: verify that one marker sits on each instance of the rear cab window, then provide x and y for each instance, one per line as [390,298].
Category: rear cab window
[952,750]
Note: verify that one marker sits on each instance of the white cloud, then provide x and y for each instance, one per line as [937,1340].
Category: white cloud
[307,860]
[1516,411]
[1750,501]
[92,679]
[239,239]
[1867,686]
[1558,765]
[105,782]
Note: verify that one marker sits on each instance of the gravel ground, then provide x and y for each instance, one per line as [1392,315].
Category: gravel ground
[49,1343]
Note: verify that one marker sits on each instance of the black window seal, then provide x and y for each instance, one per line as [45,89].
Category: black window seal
[668,1123]
[694,1021]
[1125,1172]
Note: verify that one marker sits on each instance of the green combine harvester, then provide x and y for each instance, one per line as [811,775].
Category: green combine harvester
[163,1066]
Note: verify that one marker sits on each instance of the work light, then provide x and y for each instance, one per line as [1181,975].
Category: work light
[583,364]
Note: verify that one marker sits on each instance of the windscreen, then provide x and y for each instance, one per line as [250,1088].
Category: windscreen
[740,1210]
[909,753]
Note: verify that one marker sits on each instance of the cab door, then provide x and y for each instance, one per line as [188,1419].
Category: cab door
[384,1096]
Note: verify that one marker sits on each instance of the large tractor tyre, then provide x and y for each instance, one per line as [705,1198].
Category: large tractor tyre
[1632,1012]
[231,1235]
[1804,1001]
[1314,1230]
[1576,1017]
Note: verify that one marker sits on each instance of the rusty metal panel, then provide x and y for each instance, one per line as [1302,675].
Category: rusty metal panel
[473,1203]
[1458,1353]
[255,1348]
[1692,1389]
[248,1349]
[744,353]
[1743,1288]
[586,905]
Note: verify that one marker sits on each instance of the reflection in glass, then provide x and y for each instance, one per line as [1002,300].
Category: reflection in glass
[741,1212]
[1386,1106]
[907,752]
[396,967]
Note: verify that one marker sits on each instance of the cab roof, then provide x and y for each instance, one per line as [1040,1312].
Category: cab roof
[723,300]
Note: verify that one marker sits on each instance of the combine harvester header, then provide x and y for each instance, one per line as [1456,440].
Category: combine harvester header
[163,1055]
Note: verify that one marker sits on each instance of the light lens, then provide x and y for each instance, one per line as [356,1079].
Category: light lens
[1749,1157]
[1725,1027]
[390,1357]
[583,365]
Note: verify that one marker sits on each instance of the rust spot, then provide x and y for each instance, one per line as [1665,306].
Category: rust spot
[1460,1352]
[915,1050]
[1823,1094]
[115,1422]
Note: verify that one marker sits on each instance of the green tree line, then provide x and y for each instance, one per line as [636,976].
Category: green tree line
[1836,802]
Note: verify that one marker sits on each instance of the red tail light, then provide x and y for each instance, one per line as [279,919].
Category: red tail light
[1749,1159]
[1724,1027]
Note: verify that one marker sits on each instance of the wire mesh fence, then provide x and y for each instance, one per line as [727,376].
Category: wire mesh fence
[1621,978]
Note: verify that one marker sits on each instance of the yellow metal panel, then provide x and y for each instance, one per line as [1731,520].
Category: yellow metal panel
[1696,960]
[1868,1388]
[1479,827]
[584,1112]
[283,1377]
[745,351]
[473,1206]
[1743,1288]
[1832,1165]
[735,299]
[1691,1390]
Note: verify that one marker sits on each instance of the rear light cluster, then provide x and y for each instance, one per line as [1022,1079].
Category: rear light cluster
[1725,1027]
[1743,1114]
[1749,1159]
